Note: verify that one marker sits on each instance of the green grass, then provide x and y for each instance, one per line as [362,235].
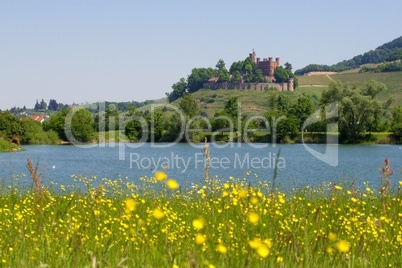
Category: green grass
[252,102]
[156,102]
[220,224]
[314,80]
[393,81]
[6,146]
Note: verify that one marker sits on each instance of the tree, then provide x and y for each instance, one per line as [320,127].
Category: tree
[358,108]
[278,101]
[155,124]
[232,107]
[179,88]
[11,126]
[189,106]
[302,109]
[43,105]
[134,128]
[372,88]
[281,74]
[220,65]
[53,105]
[82,125]
[172,127]
[396,123]
[111,118]
[282,126]
[236,77]
[57,123]
[288,66]
[198,77]
[37,106]
[396,55]
[222,72]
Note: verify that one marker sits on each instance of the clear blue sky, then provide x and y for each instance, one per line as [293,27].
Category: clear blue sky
[93,50]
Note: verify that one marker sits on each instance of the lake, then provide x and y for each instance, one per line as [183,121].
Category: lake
[297,167]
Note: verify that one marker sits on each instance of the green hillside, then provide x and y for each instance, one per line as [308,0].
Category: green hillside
[255,102]
[382,53]
[393,81]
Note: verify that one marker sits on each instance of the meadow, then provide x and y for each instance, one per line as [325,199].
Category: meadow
[224,222]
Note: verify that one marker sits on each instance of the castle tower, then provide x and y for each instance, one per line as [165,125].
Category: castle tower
[290,84]
[253,56]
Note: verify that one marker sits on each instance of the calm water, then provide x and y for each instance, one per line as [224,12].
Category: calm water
[296,166]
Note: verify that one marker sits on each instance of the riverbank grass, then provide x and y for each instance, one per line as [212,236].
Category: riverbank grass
[6,146]
[155,223]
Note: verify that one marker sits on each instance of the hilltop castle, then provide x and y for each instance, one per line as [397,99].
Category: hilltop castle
[266,65]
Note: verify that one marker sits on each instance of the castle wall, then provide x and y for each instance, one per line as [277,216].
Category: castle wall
[249,86]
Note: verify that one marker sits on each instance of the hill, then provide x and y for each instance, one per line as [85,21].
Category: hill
[393,81]
[380,54]
[253,102]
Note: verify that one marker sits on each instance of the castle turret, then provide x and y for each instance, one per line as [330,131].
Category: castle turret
[252,56]
[290,84]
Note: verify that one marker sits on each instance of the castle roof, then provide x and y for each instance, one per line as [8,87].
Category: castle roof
[213,79]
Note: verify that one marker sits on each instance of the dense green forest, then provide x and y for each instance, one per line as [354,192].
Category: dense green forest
[390,51]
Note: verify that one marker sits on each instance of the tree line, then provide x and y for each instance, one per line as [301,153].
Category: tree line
[360,112]
[387,52]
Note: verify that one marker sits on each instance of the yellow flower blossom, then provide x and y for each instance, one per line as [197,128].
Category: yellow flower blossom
[200,239]
[253,217]
[331,236]
[199,223]
[172,184]
[130,205]
[254,200]
[243,193]
[337,187]
[263,251]
[160,175]
[343,246]
[221,249]
[158,213]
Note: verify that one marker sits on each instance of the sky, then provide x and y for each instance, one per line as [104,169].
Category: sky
[79,51]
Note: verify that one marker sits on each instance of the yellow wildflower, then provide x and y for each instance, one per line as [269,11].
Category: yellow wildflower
[253,217]
[263,251]
[158,213]
[338,187]
[160,175]
[255,243]
[243,193]
[199,223]
[130,205]
[254,200]
[331,236]
[172,184]
[200,239]
[343,246]
[279,259]
[221,249]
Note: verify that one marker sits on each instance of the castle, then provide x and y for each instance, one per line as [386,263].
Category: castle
[267,66]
